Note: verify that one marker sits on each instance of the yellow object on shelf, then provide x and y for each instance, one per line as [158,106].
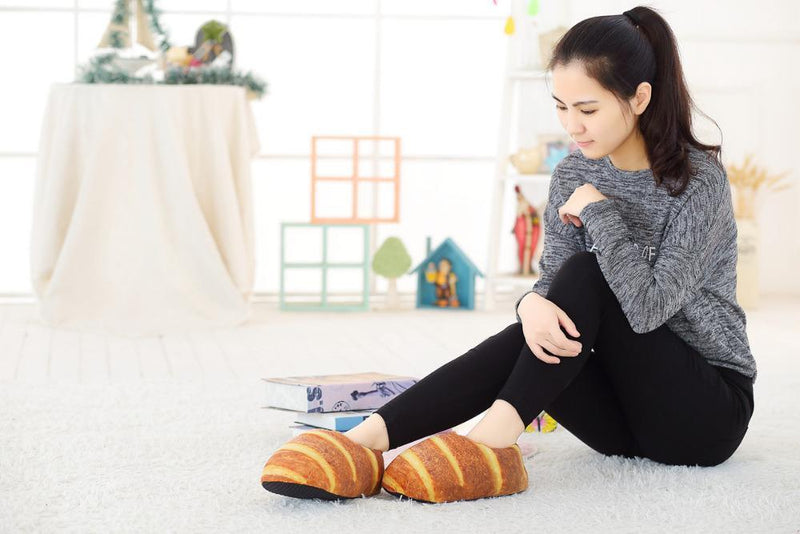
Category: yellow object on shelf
[528,160]
[509,29]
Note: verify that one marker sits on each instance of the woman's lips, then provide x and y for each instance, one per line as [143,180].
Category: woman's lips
[584,144]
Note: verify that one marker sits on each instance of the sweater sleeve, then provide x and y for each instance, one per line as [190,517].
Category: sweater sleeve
[560,242]
[649,295]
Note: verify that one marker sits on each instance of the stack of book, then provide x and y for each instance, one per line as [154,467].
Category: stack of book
[340,402]
[334,402]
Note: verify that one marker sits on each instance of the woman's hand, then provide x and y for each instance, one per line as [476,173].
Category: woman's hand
[541,321]
[582,196]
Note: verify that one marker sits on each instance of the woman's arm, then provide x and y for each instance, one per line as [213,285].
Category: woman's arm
[649,295]
[560,242]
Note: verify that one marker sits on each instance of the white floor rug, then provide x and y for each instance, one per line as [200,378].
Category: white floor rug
[89,451]
[178,457]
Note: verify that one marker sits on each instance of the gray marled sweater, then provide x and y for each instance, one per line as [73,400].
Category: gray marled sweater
[667,259]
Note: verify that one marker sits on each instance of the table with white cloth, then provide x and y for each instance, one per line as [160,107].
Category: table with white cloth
[143,215]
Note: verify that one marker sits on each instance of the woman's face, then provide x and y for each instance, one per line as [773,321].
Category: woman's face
[589,113]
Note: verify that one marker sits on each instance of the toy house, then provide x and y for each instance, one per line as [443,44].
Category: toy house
[446,278]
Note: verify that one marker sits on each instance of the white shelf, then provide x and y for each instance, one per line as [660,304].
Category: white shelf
[514,74]
[538,178]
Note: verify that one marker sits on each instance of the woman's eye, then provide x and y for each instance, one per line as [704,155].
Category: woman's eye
[585,112]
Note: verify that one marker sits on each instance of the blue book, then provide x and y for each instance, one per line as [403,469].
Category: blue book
[340,421]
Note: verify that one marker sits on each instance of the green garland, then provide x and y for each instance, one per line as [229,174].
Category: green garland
[121,13]
[215,75]
[102,70]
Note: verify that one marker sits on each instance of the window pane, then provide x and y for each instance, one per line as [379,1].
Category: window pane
[440,200]
[36,67]
[307,6]
[345,244]
[320,75]
[181,29]
[305,282]
[345,281]
[90,30]
[17,179]
[441,85]
[281,193]
[165,5]
[37,3]
[302,244]
[483,8]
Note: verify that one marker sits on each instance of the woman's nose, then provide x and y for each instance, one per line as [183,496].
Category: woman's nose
[574,126]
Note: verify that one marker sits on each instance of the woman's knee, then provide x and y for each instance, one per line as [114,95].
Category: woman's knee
[580,262]
[577,273]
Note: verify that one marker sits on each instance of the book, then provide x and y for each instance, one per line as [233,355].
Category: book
[335,393]
[341,421]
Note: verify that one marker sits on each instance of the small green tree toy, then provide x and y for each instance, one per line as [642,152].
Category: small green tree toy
[391,261]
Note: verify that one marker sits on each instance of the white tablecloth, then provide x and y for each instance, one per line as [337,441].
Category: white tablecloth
[143,217]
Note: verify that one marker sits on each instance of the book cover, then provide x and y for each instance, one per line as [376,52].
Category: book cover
[335,393]
[341,421]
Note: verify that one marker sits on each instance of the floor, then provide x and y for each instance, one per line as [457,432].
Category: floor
[415,341]
[105,433]
[272,341]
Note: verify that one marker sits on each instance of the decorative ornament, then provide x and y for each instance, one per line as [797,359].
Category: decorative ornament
[210,62]
[509,29]
[391,261]
[527,228]
[527,160]
[747,179]
[213,44]
[118,33]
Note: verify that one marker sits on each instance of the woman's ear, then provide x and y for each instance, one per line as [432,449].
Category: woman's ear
[641,99]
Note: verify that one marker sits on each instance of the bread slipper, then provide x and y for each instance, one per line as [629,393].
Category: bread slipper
[450,467]
[323,464]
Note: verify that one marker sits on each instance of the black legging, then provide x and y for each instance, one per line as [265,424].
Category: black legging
[636,395]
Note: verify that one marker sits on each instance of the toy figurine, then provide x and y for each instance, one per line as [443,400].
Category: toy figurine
[444,280]
[526,229]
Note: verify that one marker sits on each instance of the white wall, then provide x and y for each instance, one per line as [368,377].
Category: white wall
[429,72]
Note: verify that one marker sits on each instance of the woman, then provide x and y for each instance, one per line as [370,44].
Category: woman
[631,339]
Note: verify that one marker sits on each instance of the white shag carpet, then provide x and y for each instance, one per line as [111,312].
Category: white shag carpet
[186,457]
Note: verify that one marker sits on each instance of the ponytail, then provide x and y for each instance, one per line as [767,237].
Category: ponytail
[622,51]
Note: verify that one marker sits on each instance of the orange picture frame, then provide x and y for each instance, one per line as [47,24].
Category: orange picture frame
[355,178]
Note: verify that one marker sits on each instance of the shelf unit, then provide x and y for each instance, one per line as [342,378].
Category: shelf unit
[515,74]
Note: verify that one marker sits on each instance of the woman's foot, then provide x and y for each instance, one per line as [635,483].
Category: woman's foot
[450,467]
[371,433]
[500,427]
[323,464]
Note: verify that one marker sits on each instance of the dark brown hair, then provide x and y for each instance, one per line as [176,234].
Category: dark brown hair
[620,54]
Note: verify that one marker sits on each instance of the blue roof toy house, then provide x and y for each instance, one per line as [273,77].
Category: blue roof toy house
[446,278]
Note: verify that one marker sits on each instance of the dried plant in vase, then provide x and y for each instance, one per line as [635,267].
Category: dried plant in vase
[747,179]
